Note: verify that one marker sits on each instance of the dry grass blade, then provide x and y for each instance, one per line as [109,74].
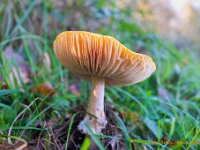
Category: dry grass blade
[20,144]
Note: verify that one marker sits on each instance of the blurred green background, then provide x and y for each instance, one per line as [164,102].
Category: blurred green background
[35,87]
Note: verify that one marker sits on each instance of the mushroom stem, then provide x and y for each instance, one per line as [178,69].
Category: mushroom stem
[96,108]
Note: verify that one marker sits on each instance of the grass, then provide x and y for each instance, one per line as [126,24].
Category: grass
[161,112]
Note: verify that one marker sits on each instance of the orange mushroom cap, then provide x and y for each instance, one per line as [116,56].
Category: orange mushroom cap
[87,54]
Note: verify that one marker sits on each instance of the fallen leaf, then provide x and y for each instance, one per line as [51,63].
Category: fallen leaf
[10,54]
[44,124]
[22,71]
[44,89]
[24,74]
[132,115]
[74,89]
[52,122]
[47,61]
[3,85]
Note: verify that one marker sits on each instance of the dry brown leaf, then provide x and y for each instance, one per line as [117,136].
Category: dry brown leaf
[44,89]
[133,116]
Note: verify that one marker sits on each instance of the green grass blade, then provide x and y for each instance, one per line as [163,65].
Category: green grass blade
[184,112]
[69,129]
[26,13]
[8,24]
[6,92]
[133,98]
[94,137]
[86,144]
[152,126]
[125,132]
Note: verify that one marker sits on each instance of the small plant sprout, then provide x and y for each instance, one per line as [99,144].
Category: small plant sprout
[101,60]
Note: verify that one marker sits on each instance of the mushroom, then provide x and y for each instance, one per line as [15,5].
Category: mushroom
[101,60]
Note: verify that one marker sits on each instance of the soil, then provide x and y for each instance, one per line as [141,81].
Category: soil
[58,134]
